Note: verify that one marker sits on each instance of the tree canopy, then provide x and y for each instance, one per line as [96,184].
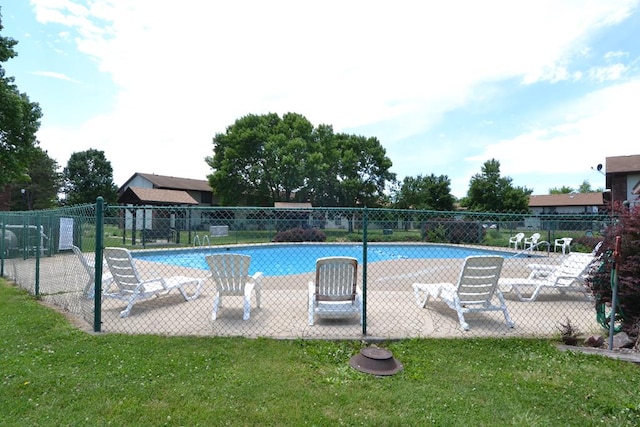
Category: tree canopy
[262,159]
[89,174]
[585,187]
[426,192]
[19,122]
[490,192]
[42,188]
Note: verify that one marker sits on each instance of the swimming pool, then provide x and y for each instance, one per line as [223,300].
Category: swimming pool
[281,260]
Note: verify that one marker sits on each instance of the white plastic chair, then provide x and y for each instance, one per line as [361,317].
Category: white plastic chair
[531,242]
[516,240]
[132,287]
[564,243]
[565,277]
[474,292]
[230,273]
[335,294]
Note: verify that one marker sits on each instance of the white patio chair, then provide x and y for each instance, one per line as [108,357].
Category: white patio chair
[516,240]
[230,273]
[132,287]
[474,292]
[565,277]
[531,242]
[335,294]
[564,243]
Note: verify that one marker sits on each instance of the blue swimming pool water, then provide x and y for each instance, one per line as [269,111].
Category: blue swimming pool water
[279,260]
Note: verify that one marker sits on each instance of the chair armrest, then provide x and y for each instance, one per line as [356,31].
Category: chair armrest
[257,279]
[542,267]
[144,283]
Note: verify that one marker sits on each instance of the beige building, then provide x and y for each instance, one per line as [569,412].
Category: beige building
[623,179]
[567,204]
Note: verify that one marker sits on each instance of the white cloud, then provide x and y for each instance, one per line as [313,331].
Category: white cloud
[611,72]
[584,132]
[54,75]
[616,55]
[186,71]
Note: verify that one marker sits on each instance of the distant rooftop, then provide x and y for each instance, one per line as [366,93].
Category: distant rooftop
[572,199]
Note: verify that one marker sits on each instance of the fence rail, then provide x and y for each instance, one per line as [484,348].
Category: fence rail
[394,248]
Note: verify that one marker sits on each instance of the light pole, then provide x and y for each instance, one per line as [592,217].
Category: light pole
[598,169]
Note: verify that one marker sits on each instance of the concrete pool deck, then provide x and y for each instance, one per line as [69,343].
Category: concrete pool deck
[392,312]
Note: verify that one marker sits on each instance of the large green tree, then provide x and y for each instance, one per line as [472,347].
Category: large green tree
[41,189]
[19,122]
[262,159]
[426,192]
[88,174]
[490,192]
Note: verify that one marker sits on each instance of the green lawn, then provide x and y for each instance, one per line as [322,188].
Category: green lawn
[55,374]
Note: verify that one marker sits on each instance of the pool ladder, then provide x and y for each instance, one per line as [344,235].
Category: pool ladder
[205,238]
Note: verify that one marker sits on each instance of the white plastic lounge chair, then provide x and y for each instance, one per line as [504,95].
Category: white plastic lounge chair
[335,293]
[230,272]
[474,292]
[132,288]
[87,264]
[564,243]
[564,277]
[531,242]
[516,240]
[596,248]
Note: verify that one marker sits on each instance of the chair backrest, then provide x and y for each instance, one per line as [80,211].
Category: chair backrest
[336,279]
[10,240]
[518,237]
[83,260]
[479,278]
[574,264]
[596,248]
[534,237]
[230,272]
[122,268]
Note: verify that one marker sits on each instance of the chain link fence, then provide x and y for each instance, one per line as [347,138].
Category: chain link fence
[543,287]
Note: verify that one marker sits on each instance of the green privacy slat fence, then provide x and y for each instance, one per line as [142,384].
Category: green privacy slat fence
[394,249]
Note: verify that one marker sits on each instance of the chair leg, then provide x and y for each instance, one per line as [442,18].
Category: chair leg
[421,301]
[257,297]
[247,307]
[311,313]
[503,305]
[89,289]
[216,304]
[521,297]
[458,308]
[127,311]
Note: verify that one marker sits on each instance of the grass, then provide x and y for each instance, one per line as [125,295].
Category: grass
[55,374]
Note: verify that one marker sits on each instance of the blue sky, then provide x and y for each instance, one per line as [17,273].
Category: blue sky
[548,88]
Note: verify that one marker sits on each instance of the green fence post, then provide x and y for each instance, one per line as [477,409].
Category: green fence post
[365,226]
[97,289]
[38,249]
[2,244]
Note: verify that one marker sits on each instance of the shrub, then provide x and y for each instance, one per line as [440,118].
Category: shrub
[300,235]
[439,231]
[584,243]
[627,227]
